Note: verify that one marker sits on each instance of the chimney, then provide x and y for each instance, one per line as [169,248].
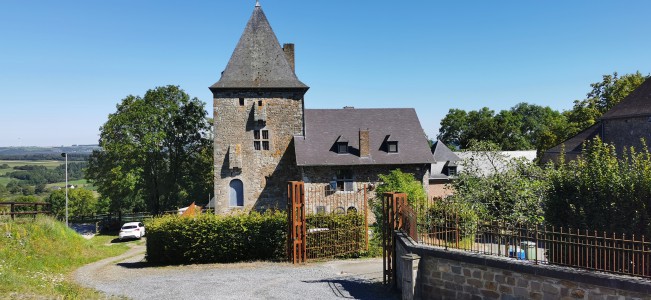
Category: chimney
[289,54]
[364,143]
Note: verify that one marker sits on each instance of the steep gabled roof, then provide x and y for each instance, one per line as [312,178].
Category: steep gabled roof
[324,126]
[637,103]
[258,60]
[442,153]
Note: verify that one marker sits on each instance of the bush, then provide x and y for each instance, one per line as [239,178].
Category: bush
[217,239]
[336,235]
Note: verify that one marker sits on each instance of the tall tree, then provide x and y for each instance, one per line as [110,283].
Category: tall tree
[155,152]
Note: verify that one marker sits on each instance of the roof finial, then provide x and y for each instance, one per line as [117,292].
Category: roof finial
[257,3]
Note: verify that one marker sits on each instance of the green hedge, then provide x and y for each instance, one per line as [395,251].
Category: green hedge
[217,239]
[342,235]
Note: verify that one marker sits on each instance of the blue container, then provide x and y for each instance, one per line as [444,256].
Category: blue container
[517,253]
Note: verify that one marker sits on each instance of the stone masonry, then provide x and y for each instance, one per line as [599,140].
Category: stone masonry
[445,274]
[235,125]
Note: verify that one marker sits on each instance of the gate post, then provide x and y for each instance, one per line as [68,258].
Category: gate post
[297,231]
[391,221]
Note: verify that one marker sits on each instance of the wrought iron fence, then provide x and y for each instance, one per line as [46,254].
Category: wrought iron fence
[538,244]
[337,221]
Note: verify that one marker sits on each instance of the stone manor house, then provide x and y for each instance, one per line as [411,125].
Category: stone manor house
[265,137]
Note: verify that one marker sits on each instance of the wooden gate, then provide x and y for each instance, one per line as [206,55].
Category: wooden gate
[297,239]
[392,205]
[325,222]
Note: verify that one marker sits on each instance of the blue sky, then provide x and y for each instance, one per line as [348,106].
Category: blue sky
[64,65]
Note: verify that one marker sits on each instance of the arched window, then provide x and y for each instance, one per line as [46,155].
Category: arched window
[236,193]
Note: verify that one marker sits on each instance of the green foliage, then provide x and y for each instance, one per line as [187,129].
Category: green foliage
[510,190]
[39,174]
[157,154]
[345,235]
[398,181]
[208,238]
[601,191]
[37,255]
[4,166]
[528,126]
[81,202]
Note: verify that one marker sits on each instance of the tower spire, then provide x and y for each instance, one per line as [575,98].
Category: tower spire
[257,3]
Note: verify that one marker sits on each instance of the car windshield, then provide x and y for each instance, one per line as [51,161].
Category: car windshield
[129,227]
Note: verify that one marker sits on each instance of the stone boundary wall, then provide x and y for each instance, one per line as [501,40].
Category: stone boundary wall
[425,272]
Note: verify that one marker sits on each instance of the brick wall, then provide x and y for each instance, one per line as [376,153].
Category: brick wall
[448,274]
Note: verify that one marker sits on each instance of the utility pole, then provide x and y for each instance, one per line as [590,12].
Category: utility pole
[66,156]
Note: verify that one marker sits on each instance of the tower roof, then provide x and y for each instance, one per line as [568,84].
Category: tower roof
[258,60]
[637,103]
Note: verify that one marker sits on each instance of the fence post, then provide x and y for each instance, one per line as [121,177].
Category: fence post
[12,211]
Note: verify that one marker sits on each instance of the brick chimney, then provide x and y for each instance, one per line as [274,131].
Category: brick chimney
[289,54]
[364,143]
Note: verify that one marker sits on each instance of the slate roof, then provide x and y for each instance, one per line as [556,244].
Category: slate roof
[637,103]
[324,126]
[442,153]
[258,61]
[575,143]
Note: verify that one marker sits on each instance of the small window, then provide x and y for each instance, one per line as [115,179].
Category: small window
[260,103]
[342,147]
[320,209]
[345,180]
[261,139]
[241,101]
[392,147]
[452,171]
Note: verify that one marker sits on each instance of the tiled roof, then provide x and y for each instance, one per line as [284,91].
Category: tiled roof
[324,126]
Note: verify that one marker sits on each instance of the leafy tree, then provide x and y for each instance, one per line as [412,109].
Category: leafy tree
[510,190]
[81,202]
[156,154]
[398,181]
[601,191]
[612,89]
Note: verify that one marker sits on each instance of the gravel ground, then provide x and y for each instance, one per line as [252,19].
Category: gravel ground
[128,276]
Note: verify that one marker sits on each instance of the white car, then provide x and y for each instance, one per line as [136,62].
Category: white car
[134,230]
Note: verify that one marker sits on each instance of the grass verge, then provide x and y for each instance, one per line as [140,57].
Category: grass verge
[38,255]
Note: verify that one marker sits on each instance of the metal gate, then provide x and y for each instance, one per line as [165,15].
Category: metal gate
[392,206]
[326,222]
[297,227]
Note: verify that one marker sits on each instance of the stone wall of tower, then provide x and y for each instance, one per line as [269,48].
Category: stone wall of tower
[627,132]
[264,173]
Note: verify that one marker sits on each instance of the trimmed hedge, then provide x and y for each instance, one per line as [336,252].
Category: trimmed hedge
[217,239]
[343,235]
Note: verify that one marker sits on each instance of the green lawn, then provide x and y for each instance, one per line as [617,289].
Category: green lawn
[38,256]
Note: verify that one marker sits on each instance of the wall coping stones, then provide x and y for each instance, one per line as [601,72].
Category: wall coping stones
[613,281]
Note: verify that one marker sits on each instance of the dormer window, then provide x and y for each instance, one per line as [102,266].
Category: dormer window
[452,171]
[392,146]
[342,147]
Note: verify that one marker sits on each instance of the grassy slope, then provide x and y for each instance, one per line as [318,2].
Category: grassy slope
[37,257]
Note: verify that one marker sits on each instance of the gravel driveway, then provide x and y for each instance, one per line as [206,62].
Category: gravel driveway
[127,276]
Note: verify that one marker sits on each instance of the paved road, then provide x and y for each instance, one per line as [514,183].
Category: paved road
[128,276]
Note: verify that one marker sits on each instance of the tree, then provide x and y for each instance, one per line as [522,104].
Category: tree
[602,191]
[156,154]
[513,191]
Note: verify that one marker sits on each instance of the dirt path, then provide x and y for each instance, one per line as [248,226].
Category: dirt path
[128,276]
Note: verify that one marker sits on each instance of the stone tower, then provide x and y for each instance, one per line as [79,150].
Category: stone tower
[258,108]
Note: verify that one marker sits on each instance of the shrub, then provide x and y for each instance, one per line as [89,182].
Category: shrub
[336,235]
[217,239]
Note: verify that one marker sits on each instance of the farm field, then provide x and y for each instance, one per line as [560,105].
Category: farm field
[49,164]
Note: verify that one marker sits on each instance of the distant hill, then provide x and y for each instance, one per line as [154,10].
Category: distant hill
[75,152]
